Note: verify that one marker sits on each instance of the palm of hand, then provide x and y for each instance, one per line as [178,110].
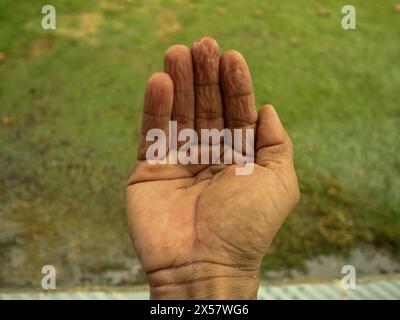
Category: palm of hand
[206,214]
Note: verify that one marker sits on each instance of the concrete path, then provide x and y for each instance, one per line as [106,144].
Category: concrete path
[367,289]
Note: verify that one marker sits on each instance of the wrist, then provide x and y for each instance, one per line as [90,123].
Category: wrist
[203,280]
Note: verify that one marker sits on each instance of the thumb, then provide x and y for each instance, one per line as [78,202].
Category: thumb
[275,151]
[272,138]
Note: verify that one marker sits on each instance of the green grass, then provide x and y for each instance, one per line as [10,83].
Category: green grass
[74,98]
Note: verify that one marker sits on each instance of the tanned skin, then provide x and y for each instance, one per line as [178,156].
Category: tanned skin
[201,231]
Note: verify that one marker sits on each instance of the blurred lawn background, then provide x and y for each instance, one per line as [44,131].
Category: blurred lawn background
[70,106]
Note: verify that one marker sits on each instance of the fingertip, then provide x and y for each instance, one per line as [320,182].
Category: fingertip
[233,55]
[232,58]
[160,84]
[160,79]
[159,94]
[207,39]
[205,46]
[270,129]
[176,52]
[266,106]
[268,114]
[266,109]
[235,74]
[178,64]
[205,52]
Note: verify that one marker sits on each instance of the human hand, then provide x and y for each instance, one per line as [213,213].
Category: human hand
[201,231]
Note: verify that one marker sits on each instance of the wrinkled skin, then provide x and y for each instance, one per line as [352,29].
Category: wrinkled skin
[194,222]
